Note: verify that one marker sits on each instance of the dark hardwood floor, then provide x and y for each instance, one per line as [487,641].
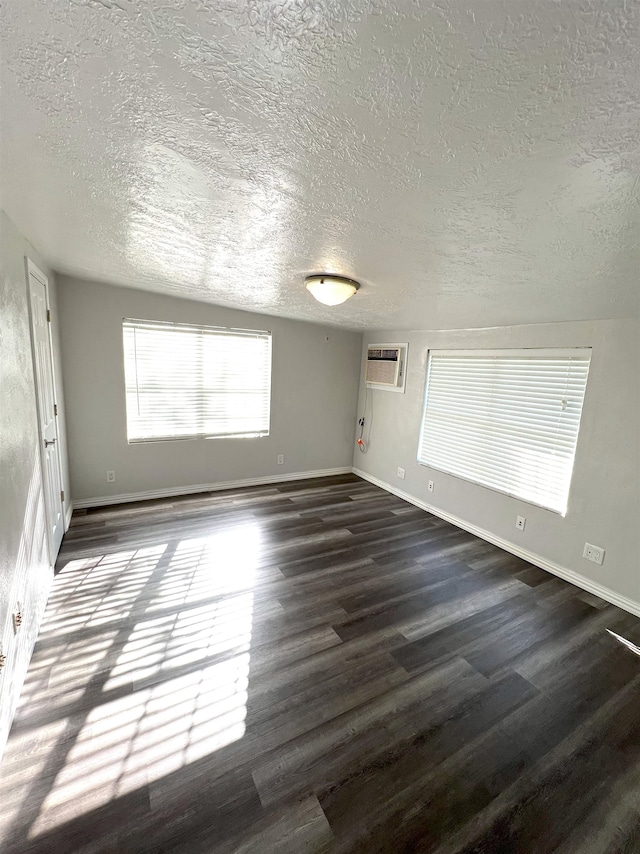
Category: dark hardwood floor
[318,667]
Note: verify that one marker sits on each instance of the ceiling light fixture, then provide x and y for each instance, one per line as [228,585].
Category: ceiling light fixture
[331,290]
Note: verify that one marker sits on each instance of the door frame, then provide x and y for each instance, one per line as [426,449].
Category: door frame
[32,269]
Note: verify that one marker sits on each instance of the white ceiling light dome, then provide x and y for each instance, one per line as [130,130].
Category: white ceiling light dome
[331,290]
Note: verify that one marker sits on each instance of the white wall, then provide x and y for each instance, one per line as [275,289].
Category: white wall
[604,502]
[314,391]
[25,574]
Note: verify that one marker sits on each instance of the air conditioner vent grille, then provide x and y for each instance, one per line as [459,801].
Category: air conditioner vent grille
[374,354]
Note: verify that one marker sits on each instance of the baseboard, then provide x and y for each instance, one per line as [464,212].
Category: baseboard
[68,514]
[562,572]
[170,492]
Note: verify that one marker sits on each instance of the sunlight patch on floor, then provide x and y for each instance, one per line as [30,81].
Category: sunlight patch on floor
[162,637]
[143,736]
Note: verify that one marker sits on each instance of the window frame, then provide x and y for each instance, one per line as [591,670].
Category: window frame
[540,352]
[203,329]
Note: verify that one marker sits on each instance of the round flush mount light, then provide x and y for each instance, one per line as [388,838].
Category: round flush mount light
[331,290]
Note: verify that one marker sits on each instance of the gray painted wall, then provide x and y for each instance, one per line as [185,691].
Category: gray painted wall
[314,392]
[25,574]
[604,502]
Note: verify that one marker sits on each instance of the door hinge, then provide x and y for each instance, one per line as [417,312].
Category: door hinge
[55,408]
[49,315]
[62,495]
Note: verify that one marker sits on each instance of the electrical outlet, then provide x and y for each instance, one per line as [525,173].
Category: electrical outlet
[400,472]
[593,553]
[430,486]
[520,522]
[111,477]
[280,459]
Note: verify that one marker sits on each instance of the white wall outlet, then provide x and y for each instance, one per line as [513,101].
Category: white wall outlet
[111,477]
[593,553]
[520,522]
[430,486]
[280,459]
[400,472]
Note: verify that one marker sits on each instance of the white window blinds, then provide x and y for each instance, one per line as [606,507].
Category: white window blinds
[185,382]
[506,419]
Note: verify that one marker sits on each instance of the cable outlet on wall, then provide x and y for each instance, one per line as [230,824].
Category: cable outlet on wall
[430,486]
[400,472]
[520,522]
[111,477]
[280,459]
[593,553]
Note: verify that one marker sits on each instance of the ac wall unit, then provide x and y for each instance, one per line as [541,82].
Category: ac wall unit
[386,366]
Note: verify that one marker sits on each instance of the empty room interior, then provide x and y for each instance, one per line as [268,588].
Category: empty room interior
[320,426]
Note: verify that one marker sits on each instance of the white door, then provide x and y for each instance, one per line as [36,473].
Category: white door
[47,411]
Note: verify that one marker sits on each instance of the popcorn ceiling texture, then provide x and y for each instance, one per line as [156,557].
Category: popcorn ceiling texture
[470,163]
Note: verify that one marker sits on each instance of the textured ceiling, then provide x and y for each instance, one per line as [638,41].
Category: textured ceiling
[471,163]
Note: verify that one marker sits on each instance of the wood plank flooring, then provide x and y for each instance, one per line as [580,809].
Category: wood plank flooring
[318,667]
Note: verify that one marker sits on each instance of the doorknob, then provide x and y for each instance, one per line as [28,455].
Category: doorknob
[48,442]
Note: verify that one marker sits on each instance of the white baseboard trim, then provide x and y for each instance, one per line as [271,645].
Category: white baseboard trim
[67,516]
[562,572]
[170,492]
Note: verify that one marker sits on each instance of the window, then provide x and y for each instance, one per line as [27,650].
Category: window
[187,382]
[506,419]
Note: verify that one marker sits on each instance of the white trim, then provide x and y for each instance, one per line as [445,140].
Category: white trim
[67,516]
[102,501]
[562,572]
[33,271]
